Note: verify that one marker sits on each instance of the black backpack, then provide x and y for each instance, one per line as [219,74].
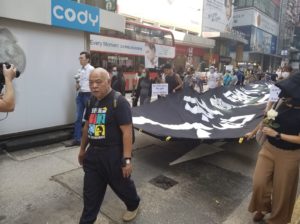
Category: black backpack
[117,94]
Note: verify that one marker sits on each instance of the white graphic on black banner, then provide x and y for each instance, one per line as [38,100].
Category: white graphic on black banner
[219,113]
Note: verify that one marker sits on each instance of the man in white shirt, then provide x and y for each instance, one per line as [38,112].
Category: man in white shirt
[84,93]
[213,79]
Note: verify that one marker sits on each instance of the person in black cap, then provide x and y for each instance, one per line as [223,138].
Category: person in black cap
[275,178]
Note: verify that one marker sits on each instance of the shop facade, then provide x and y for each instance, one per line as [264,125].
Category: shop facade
[43,38]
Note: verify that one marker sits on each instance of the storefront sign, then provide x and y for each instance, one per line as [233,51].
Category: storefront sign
[189,51]
[226,60]
[69,14]
[255,18]
[130,47]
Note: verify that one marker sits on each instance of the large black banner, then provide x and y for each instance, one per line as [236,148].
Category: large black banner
[216,114]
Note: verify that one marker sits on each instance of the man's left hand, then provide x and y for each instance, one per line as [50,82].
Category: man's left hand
[127,170]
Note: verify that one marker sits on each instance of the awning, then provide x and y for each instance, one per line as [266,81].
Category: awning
[226,35]
[192,40]
[272,55]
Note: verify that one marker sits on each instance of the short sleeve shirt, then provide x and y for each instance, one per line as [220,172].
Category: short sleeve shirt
[104,119]
[212,80]
[84,74]
[289,123]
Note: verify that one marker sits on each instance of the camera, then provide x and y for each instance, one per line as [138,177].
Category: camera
[2,79]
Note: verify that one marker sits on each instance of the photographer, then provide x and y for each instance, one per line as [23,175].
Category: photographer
[7,100]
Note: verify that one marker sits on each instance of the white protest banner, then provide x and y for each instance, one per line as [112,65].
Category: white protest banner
[274,92]
[160,89]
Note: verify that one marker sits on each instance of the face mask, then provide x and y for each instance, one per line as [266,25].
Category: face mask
[143,75]
[285,75]
[114,73]
[211,70]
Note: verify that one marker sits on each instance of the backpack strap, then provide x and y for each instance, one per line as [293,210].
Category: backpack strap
[90,102]
[116,97]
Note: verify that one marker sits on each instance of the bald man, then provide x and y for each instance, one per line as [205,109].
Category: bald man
[107,160]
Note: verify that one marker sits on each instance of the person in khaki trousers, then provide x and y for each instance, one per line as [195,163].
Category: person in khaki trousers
[275,178]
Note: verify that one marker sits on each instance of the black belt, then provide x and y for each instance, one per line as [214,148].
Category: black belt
[103,147]
[84,93]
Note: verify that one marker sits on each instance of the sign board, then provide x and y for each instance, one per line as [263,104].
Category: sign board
[69,14]
[123,46]
[160,89]
[274,92]
[217,15]
[41,12]
[229,68]
[255,18]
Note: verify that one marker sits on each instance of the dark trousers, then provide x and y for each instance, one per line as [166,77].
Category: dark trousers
[102,167]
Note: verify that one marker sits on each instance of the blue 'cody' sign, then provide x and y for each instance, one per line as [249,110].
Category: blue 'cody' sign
[69,14]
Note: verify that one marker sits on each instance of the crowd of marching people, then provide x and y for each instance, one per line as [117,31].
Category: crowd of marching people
[194,79]
[107,136]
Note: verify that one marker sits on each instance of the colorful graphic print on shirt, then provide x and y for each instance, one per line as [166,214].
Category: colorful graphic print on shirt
[97,123]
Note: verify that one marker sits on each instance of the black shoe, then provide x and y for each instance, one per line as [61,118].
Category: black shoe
[73,143]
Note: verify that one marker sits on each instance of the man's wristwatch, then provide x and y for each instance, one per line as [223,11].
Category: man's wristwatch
[126,161]
[278,136]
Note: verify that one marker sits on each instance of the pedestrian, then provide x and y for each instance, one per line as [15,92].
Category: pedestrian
[118,80]
[107,159]
[200,80]
[144,88]
[285,73]
[227,78]
[84,93]
[240,76]
[141,70]
[275,178]
[173,79]
[213,79]
[189,79]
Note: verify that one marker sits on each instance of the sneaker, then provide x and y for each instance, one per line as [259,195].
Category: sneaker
[73,143]
[130,215]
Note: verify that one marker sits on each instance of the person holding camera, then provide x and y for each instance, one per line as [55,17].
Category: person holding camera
[7,100]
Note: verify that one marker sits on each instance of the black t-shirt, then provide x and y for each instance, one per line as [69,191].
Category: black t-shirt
[172,82]
[289,123]
[105,119]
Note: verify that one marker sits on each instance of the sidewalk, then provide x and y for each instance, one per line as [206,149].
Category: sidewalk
[44,185]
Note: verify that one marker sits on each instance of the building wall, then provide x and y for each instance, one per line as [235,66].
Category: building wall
[45,91]
[217,15]
[260,30]
[186,15]
[48,59]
